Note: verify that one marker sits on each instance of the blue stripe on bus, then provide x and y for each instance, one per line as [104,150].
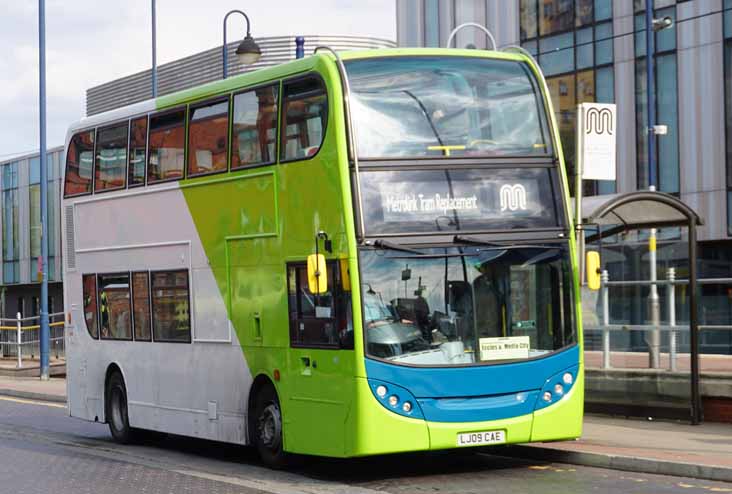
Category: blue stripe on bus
[475,393]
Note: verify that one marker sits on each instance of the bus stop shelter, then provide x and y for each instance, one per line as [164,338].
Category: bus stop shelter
[617,213]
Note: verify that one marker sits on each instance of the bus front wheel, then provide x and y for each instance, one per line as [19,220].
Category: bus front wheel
[267,429]
[117,418]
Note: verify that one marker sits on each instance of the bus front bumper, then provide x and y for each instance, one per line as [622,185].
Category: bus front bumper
[378,430]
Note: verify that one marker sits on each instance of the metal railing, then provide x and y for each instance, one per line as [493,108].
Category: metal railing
[672,327]
[19,340]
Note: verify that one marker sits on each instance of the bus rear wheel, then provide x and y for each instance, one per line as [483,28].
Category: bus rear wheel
[117,417]
[267,429]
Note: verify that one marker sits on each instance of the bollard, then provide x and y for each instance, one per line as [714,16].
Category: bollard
[671,302]
[19,342]
[604,278]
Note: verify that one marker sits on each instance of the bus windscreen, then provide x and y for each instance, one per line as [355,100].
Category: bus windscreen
[432,107]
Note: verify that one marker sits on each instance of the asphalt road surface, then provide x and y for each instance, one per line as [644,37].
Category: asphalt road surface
[42,450]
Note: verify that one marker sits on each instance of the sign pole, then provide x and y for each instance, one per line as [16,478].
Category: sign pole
[578,158]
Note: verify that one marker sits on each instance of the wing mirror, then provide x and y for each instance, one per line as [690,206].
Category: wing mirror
[592,265]
[317,274]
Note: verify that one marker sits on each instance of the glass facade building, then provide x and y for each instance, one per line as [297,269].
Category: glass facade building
[20,220]
[595,50]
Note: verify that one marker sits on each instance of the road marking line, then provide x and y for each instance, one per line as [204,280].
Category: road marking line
[32,402]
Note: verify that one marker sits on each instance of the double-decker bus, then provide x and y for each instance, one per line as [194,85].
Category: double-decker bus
[345,255]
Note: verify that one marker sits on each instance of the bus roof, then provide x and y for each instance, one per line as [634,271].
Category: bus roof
[265,75]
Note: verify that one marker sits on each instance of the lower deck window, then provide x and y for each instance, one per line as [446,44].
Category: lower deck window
[170,306]
[89,292]
[114,306]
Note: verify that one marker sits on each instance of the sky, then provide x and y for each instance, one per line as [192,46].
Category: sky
[89,42]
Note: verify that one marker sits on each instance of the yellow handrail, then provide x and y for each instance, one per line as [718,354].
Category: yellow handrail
[30,328]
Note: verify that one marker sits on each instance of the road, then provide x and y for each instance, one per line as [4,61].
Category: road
[42,450]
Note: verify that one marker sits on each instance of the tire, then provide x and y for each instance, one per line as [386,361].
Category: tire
[117,417]
[266,429]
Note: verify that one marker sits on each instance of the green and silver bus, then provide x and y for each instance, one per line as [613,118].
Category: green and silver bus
[345,255]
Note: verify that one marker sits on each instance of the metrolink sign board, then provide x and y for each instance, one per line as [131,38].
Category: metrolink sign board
[596,137]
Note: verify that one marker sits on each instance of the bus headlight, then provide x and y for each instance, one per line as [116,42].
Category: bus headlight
[396,399]
[567,378]
[381,391]
[547,396]
[393,400]
[559,389]
[407,407]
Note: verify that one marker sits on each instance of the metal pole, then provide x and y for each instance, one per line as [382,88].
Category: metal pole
[696,404]
[604,278]
[18,340]
[154,54]
[650,96]
[654,305]
[579,232]
[671,301]
[45,330]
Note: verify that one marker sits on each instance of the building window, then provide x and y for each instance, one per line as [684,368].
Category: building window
[170,306]
[34,200]
[255,127]
[305,113]
[167,146]
[11,226]
[573,42]
[666,166]
[208,136]
[728,104]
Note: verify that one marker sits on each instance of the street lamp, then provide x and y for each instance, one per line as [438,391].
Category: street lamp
[248,51]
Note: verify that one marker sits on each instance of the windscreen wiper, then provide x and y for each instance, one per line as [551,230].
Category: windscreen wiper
[385,244]
[493,245]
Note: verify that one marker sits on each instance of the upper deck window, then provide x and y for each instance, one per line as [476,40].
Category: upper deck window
[431,107]
[208,134]
[255,127]
[138,143]
[305,113]
[167,146]
[79,164]
[111,158]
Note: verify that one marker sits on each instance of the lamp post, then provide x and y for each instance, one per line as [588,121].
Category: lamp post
[154,54]
[654,305]
[45,329]
[248,51]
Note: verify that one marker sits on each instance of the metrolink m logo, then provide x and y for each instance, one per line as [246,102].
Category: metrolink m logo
[513,197]
[600,120]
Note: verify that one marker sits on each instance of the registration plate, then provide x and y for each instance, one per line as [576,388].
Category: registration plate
[478,438]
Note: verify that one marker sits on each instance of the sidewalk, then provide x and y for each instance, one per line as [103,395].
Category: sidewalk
[33,388]
[667,448]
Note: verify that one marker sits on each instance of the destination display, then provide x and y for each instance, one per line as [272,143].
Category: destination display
[468,200]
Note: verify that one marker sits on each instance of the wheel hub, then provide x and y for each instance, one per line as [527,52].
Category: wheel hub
[270,427]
